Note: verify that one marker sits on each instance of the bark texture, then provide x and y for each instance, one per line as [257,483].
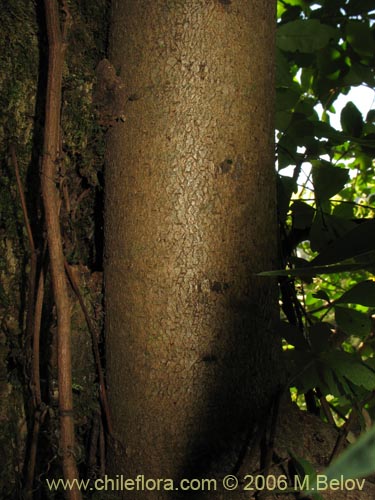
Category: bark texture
[190,218]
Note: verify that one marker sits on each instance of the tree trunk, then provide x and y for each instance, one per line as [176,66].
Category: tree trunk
[190,220]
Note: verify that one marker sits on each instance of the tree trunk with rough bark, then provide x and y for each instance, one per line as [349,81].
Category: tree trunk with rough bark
[190,219]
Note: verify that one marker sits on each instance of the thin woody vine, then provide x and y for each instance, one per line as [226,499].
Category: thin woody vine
[49,271]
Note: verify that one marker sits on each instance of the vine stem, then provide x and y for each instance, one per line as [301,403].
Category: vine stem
[32,278]
[40,408]
[50,158]
[95,348]
[33,318]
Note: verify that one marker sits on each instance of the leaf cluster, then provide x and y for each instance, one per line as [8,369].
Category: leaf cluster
[325,207]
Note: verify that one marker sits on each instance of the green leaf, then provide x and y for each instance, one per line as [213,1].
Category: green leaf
[300,3]
[329,383]
[356,7]
[344,210]
[280,9]
[357,241]
[316,270]
[305,468]
[303,214]
[282,120]
[326,229]
[362,293]
[322,129]
[292,335]
[351,120]
[301,368]
[301,128]
[330,62]
[319,335]
[358,460]
[359,35]
[331,7]
[359,74]
[306,106]
[350,367]
[352,322]
[286,98]
[283,76]
[304,35]
[285,187]
[321,294]
[307,77]
[287,151]
[328,180]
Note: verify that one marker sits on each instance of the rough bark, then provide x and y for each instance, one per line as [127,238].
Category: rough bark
[190,220]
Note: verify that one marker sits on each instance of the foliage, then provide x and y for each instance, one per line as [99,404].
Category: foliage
[326,209]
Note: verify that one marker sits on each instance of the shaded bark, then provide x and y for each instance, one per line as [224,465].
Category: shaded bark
[190,220]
